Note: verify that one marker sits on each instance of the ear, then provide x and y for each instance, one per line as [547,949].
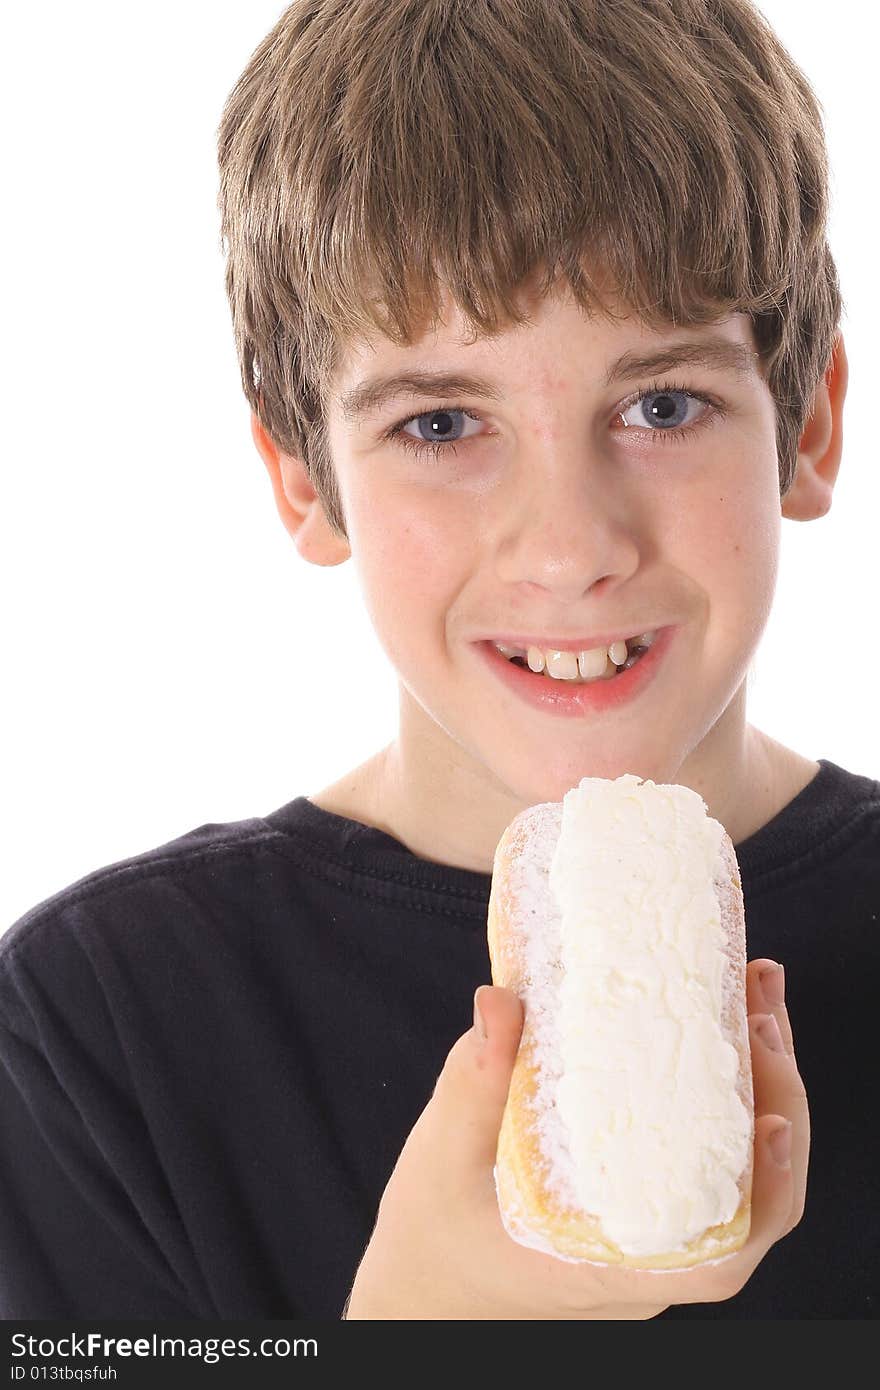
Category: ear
[821,444]
[299,506]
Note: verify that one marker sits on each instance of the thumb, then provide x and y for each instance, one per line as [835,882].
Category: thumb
[464,1113]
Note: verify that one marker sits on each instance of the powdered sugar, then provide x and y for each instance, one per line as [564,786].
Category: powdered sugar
[667,815]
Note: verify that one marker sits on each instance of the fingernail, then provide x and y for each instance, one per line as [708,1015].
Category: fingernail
[773,985]
[768,1031]
[479,1021]
[779,1144]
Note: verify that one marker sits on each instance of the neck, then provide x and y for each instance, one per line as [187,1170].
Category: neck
[452,811]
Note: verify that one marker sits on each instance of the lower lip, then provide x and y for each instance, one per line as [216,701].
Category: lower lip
[575,699]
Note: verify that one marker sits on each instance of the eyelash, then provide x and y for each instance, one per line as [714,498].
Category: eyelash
[659,436]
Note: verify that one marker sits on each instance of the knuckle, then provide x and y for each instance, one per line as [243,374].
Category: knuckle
[722,1289]
[461,1052]
[794,1219]
[724,1281]
[458,1060]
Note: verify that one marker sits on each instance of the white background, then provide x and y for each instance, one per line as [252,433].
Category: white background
[159,628]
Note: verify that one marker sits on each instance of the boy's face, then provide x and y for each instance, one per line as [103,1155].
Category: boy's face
[562,512]
[555,518]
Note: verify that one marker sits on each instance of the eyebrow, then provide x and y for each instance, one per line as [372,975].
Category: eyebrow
[715,354]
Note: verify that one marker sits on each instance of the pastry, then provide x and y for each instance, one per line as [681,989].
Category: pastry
[617,917]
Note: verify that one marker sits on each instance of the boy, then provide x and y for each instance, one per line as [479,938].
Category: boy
[221,1054]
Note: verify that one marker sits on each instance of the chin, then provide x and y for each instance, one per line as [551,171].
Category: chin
[551,783]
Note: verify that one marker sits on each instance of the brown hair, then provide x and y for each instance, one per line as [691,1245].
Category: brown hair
[373,150]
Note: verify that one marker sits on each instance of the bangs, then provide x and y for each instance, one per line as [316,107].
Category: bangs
[378,157]
[451,163]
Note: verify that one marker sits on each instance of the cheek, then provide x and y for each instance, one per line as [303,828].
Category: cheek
[731,546]
[411,553]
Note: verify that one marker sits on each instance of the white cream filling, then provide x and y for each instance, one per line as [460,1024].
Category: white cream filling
[646,1090]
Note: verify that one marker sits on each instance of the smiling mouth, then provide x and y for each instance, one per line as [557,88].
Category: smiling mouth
[571,675]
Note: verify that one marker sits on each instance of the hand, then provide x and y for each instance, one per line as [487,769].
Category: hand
[439,1249]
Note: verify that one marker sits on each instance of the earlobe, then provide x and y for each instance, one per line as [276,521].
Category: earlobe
[298,504]
[821,444]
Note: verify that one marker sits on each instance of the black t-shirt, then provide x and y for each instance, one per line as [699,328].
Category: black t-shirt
[211,1055]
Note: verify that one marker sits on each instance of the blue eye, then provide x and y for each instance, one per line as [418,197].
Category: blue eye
[665,411]
[666,408]
[438,425]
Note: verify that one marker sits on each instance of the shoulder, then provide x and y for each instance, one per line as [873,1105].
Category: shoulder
[848,814]
[121,901]
[812,876]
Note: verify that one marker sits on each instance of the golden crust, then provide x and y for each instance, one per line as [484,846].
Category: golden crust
[531,1211]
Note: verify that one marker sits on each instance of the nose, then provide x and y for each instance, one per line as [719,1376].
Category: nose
[565,524]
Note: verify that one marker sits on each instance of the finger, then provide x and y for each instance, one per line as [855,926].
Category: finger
[777,1087]
[765,992]
[771,1202]
[778,1180]
[458,1129]
[779,1090]
[772,1188]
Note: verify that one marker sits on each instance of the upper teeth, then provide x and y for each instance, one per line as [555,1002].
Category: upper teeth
[567,665]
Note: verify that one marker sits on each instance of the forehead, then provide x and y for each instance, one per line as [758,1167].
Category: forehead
[612,346]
